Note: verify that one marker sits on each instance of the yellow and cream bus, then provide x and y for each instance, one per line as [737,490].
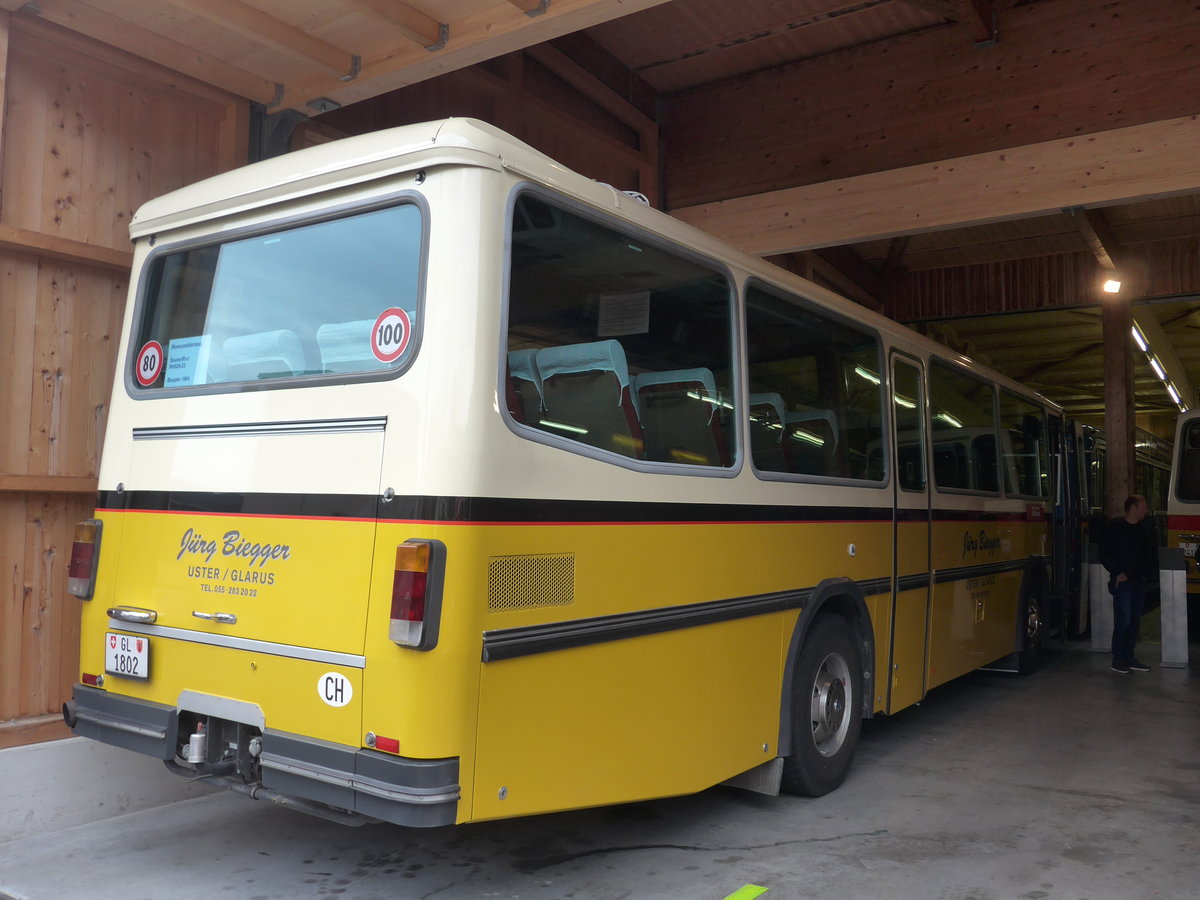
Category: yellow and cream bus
[442,484]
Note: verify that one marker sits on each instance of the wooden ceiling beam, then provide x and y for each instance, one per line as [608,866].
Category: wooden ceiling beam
[1139,162]
[146,44]
[426,31]
[497,30]
[257,26]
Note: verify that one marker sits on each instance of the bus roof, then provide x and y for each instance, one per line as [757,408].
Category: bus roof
[349,161]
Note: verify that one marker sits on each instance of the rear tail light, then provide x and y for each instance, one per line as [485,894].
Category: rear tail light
[85,556]
[417,594]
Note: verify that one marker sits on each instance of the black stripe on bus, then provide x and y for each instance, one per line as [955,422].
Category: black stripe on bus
[912,582]
[976,515]
[527,640]
[481,510]
[961,573]
[510,643]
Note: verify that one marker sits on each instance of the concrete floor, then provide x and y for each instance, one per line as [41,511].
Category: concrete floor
[1073,783]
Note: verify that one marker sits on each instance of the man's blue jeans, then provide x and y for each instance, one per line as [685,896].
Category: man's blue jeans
[1128,599]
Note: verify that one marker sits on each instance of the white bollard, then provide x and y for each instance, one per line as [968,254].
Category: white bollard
[1172,588]
[1100,607]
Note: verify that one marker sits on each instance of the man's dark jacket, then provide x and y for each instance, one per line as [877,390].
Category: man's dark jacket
[1130,549]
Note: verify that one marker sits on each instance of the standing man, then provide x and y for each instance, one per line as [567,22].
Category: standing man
[1131,561]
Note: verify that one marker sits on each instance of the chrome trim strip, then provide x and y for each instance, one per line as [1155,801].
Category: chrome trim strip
[311,654]
[260,429]
[119,724]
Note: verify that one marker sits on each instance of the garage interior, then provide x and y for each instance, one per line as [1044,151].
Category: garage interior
[975,169]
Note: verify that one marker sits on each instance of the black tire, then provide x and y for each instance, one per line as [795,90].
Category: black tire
[826,709]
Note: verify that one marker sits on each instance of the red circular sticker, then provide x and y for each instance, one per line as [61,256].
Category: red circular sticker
[149,363]
[390,334]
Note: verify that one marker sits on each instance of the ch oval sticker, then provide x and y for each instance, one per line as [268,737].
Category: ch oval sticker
[335,689]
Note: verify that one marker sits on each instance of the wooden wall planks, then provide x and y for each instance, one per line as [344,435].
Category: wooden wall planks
[89,135]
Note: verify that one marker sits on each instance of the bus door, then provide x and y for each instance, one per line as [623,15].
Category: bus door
[910,606]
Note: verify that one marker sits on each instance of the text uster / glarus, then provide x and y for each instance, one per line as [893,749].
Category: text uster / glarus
[231,544]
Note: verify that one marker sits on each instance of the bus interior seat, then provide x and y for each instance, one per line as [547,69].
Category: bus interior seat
[679,414]
[346,346]
[767,412]
[264,354]
[523,386]
[810,441]
[587,397]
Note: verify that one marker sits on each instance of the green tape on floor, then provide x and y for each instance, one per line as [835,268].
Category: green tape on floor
[747,892]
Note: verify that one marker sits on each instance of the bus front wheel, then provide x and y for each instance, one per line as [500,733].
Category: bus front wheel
[826,709]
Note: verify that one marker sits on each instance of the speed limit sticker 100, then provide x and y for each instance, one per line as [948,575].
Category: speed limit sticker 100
[390,334]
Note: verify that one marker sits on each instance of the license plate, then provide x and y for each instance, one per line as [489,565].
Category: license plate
[127,655]
[1189,549]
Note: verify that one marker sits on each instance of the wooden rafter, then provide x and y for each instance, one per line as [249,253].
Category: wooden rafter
[895,255]
[979,18]
[261,28]
[847,261]
[499,29]
[1123,165]
[425,31]
[142,42]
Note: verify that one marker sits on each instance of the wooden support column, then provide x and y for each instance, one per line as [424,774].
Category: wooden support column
[1118,401]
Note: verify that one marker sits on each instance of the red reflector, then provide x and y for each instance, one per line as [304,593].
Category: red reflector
[388,745]
[82,554]
[92,680]
[408,596]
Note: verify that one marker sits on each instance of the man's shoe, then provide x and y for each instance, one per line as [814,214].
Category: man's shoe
[1120,668]
[1138,666]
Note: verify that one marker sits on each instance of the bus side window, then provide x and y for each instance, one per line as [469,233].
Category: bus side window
[766,432]
[346,346]
[679,411]
[586,391]
[265,354]
[524,386]
[823,374]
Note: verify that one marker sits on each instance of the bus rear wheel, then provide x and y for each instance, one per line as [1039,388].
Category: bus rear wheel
[826,713]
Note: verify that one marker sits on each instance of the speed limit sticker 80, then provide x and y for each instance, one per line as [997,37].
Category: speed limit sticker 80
[390,334]
[149,363]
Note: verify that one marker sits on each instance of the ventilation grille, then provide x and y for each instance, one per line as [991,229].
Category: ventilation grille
[529,582]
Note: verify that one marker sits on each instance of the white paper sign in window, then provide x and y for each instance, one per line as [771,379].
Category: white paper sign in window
[627,313]
[187,361]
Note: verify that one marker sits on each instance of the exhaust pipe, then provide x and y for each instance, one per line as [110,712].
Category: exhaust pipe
[69,716]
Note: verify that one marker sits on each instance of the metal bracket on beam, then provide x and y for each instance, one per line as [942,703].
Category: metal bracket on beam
[443,36]
[542,6]
[323,105]
[355,69]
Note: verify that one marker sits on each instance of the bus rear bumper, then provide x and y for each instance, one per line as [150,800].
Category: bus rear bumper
[369,783]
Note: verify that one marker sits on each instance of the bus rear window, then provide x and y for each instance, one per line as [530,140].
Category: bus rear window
[337,298]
